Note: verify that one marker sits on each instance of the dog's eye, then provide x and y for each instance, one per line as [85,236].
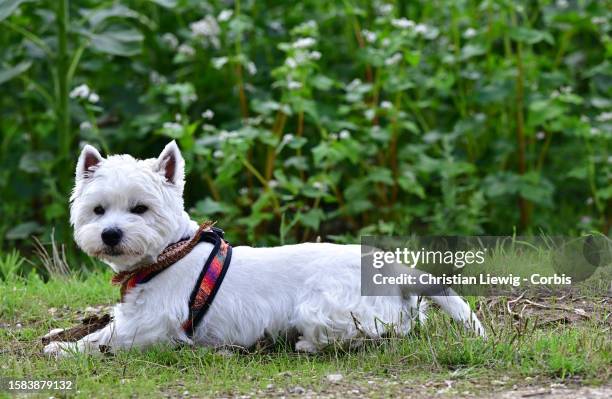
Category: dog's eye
[98,210]
[139,209]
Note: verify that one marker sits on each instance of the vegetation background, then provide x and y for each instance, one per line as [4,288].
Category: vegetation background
[305,119]
[316,118]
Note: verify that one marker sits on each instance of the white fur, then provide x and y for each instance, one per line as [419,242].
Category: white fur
[311,288]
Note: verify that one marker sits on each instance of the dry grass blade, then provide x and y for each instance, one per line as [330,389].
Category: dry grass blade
[55,262]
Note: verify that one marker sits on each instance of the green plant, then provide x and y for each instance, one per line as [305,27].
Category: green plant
[317,119]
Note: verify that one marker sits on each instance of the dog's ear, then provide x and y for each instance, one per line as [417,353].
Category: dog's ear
[170,164]
[88,162]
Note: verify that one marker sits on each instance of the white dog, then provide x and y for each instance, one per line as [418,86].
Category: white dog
[127,211]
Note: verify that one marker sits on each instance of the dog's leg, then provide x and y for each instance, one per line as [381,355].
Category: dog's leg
[110,338]
[305,346]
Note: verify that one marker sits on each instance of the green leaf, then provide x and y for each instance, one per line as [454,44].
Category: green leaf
[472,50]
[8,7]
[10,73]
[312,218]
[380,175]
[96,17]
[166,3]
[605,194]
[408,182]
[412,57]
[23,230]
[126,42]
[322,82]
[541,111]
[536,189]
[36,161]
[530,36]
[209,206]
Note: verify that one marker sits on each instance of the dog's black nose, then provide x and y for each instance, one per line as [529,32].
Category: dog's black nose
[111,236]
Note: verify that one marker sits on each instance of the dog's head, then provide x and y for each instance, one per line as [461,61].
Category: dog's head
[125,211]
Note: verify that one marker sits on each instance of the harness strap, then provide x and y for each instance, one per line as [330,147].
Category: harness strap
[209,280]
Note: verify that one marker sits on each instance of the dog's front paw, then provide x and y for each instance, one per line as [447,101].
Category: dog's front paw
[305,346]
[60,349]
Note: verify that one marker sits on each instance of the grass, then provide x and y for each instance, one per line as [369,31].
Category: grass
[437,358]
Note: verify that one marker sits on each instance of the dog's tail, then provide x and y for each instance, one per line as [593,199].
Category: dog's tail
[450,302]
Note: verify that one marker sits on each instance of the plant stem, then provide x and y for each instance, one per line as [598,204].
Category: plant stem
[271,155]
[30,36]
[520,131]
[393,147]
[63,108]
[244,106]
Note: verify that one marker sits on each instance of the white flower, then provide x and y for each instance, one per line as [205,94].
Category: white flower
[287,138]
[312,24]
[604,117]
[86,125]
[369,36]
[218,62]
[319,186]
[540,135]
[276,26]
[386,105]
[208,114]
[186,50]
[170,40]
[172,125]
[402,23]
[173,128]
[469,33]
[93,98]
[421,28]
[472,75]
[254,120]
[386,42]
[333,136]
[178,117]
[370,114]
[218,154]
[589,201]
[81,91]
[293,85]
[206,27]
[243,191]
[273,183]
[562,3]
[304,42]
[314,55]
[225,135]
[291,63]
[251,68]
[595,131]
[394,59]
[385,9]
[353,85]
[344,134]
[586,220]
[156,78]
[599,20]
[225,15]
